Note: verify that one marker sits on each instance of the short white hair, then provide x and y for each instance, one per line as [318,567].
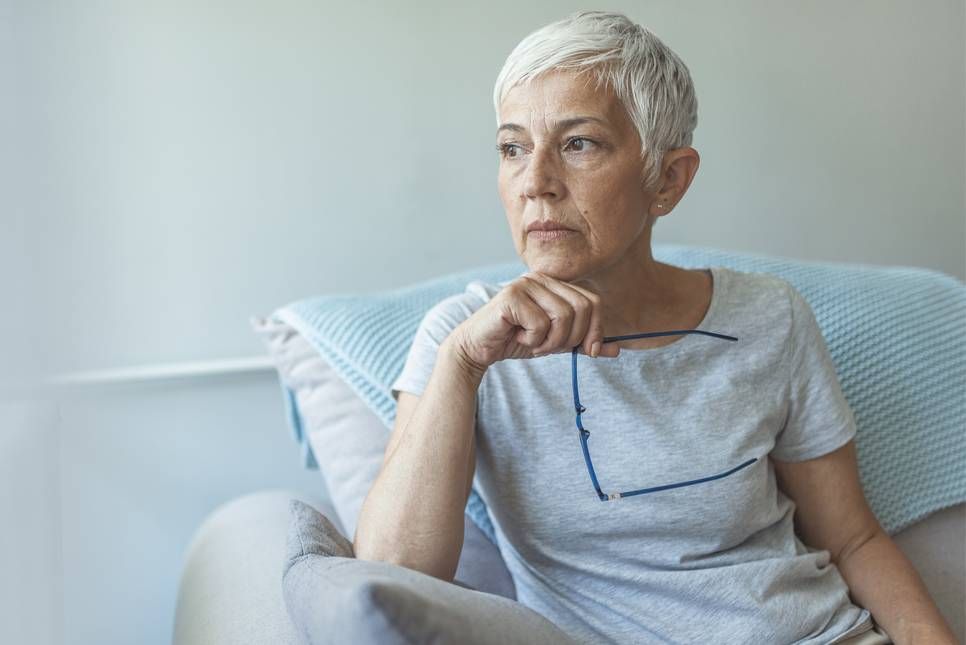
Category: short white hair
[650,80]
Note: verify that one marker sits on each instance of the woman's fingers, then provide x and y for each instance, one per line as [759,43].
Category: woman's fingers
[558,310]
[596,325]
[522,311]
[535,315]
[581,309]
[588,327]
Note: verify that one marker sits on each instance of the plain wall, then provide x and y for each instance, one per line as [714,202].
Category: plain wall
[177,167]
[203,162]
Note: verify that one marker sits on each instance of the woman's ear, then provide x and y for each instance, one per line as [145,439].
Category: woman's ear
[678,167]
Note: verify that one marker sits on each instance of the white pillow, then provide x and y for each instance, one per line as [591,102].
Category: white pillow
[348,441]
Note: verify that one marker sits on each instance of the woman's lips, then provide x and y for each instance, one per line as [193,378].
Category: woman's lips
[555,234]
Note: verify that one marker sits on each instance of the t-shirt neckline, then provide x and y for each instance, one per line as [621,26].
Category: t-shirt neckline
[685,340]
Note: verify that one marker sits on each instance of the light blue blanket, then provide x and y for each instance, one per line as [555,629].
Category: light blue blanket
[897,336]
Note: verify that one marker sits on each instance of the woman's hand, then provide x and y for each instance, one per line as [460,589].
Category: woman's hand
[532,316]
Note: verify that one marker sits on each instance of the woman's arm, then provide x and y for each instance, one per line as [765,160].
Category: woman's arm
[884,581]
[832,514]
[413,514]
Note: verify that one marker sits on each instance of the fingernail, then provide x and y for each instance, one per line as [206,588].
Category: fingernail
[595,349]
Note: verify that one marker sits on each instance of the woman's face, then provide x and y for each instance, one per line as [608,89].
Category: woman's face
[570,154]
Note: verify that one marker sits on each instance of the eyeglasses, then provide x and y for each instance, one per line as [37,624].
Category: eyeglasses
[584,433]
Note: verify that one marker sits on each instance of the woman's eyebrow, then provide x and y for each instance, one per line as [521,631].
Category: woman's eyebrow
[560,125]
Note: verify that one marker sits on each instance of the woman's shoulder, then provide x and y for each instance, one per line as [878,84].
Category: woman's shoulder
[754,280]
[484,290]
[764,302]
[449,312]
[757,290]
[476,294]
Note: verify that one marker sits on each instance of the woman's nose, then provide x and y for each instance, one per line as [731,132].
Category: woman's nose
[542,179]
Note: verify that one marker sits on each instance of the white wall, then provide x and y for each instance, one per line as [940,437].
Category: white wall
[206,161]
[31,593]
[141,465]
[179,166]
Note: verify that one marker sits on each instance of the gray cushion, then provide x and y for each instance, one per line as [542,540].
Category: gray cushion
[334,598]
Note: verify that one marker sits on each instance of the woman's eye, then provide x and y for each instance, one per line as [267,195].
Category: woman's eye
[578,144]
[515,151]
[508,150]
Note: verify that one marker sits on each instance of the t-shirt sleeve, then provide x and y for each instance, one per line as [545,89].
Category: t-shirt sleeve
[438,322]
[819,419]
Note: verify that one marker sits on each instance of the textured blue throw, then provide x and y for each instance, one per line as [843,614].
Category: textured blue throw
[897,336]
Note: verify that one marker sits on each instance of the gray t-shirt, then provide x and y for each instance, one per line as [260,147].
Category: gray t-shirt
[716,561]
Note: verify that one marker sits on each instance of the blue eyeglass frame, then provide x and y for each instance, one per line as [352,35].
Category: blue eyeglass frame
[584,433]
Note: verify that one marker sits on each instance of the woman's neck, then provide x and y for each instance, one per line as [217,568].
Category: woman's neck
[640,294]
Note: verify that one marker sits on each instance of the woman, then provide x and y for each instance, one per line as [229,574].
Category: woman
[702,447]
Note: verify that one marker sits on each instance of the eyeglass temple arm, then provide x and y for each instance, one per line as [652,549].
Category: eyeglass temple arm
[583,446]
[687,483]
[676,332]
[605,496]
[584,434]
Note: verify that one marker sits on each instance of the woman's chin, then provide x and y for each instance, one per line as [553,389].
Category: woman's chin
[553,265]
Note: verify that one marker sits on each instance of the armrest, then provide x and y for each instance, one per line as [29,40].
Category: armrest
[934,545]
[231,583]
